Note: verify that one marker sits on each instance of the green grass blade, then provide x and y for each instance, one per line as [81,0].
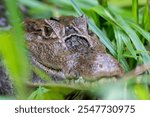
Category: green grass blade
[135,10]
[15,63]
[103,38]
[141,31]
[84,4]
[103,2]
[120,47]
[75,6]
[121,23]
[120,11]
[105,14]
[123,37]
[42,74]
[36,4]
[146,17]
[133,36]
[93,16]
[12,47]
[119,43]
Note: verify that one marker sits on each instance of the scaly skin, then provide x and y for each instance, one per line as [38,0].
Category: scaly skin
[65,48]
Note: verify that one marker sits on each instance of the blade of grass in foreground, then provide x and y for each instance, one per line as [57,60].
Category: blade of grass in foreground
[135,10]
[146,17]
[36,4]
[13,49]
[15,64]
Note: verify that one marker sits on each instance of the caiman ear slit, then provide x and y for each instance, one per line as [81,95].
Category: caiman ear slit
[57,27]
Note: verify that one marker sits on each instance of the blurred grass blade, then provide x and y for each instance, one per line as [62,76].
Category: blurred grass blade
[105,14]
[13,50]
[36,4]
[93,16]
[103,2]
[42,74]
[84,4]
[135,10]
[15,63]
[140,92]
[146,17]
[145,34]
[124,13]
[77,9]
[62,3]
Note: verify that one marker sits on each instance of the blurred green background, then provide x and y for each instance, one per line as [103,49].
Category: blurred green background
[123,26]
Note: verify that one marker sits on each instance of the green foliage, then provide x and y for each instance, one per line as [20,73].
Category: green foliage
[146,19]
[124,33]
[42,94]
[135,10]
[12,46]
[123,25]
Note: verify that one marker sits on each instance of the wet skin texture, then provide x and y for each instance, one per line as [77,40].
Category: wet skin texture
[65,48]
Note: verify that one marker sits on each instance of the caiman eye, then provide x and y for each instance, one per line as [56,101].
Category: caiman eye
[77,43]
[47,31]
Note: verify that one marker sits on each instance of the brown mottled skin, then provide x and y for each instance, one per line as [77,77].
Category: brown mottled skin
[65,48]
